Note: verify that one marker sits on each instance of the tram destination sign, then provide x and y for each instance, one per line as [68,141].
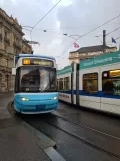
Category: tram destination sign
[40,62]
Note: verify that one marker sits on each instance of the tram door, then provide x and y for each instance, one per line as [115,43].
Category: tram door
[72,91]
[77,85]
[72,83]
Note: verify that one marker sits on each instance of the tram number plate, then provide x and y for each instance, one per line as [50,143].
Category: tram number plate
[40,107]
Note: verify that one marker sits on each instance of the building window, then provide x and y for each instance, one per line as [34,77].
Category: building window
[7,81]
[61,84]
[5,34]
[111,82]
[6,62]
[90,83]
[66,83]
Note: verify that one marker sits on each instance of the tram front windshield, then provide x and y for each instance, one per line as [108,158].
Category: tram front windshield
[37,79]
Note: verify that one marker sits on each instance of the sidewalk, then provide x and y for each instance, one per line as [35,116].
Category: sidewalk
[21,142]
[18,144]
[5,98]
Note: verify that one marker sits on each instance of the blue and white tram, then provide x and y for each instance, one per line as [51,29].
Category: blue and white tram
[94,83]
[35,84]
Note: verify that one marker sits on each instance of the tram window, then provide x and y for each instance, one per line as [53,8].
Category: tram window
[66,83]
[61,84]
[90,83]
[111,82]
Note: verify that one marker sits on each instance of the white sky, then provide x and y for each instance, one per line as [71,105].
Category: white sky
[74,17]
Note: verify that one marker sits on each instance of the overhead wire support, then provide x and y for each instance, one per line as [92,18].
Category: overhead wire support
[68,35]
[89,33]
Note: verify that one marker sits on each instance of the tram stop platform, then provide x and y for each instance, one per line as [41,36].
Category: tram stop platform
[21,142]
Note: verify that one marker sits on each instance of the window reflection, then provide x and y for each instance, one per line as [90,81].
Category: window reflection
[38,79]
[61,84]
[90,83]
[110,83]
[66,83]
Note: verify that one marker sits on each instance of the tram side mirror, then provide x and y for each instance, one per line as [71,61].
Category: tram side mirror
[14,71]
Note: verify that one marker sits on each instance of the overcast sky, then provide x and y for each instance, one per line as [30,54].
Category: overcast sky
[74,17]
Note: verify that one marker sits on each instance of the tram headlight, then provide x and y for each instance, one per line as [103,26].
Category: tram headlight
[54,98]
[24,99]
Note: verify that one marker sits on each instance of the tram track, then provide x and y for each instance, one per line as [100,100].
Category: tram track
[46,119]
[40,123]
[107,124]
[85,126]
[82,139]
[95,148]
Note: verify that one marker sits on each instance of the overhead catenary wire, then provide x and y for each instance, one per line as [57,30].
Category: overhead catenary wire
[68,35]
[45,15]
[46,31]
[88,33]
[72,27]
[43,18]
[113,31]
[117,38]
[58,33]
[109,33]
[50,31]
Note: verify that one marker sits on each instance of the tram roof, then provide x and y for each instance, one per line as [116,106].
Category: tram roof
[35,55]
[101,60]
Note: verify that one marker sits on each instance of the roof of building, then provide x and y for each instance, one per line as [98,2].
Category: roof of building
[92,49]
[11,20]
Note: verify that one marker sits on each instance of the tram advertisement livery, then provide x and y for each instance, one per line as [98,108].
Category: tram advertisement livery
[93,83]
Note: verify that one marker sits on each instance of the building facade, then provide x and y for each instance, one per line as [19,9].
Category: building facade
[11,43]
[26,48]
[89,52]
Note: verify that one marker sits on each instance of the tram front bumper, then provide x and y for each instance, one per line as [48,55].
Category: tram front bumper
[26,104]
